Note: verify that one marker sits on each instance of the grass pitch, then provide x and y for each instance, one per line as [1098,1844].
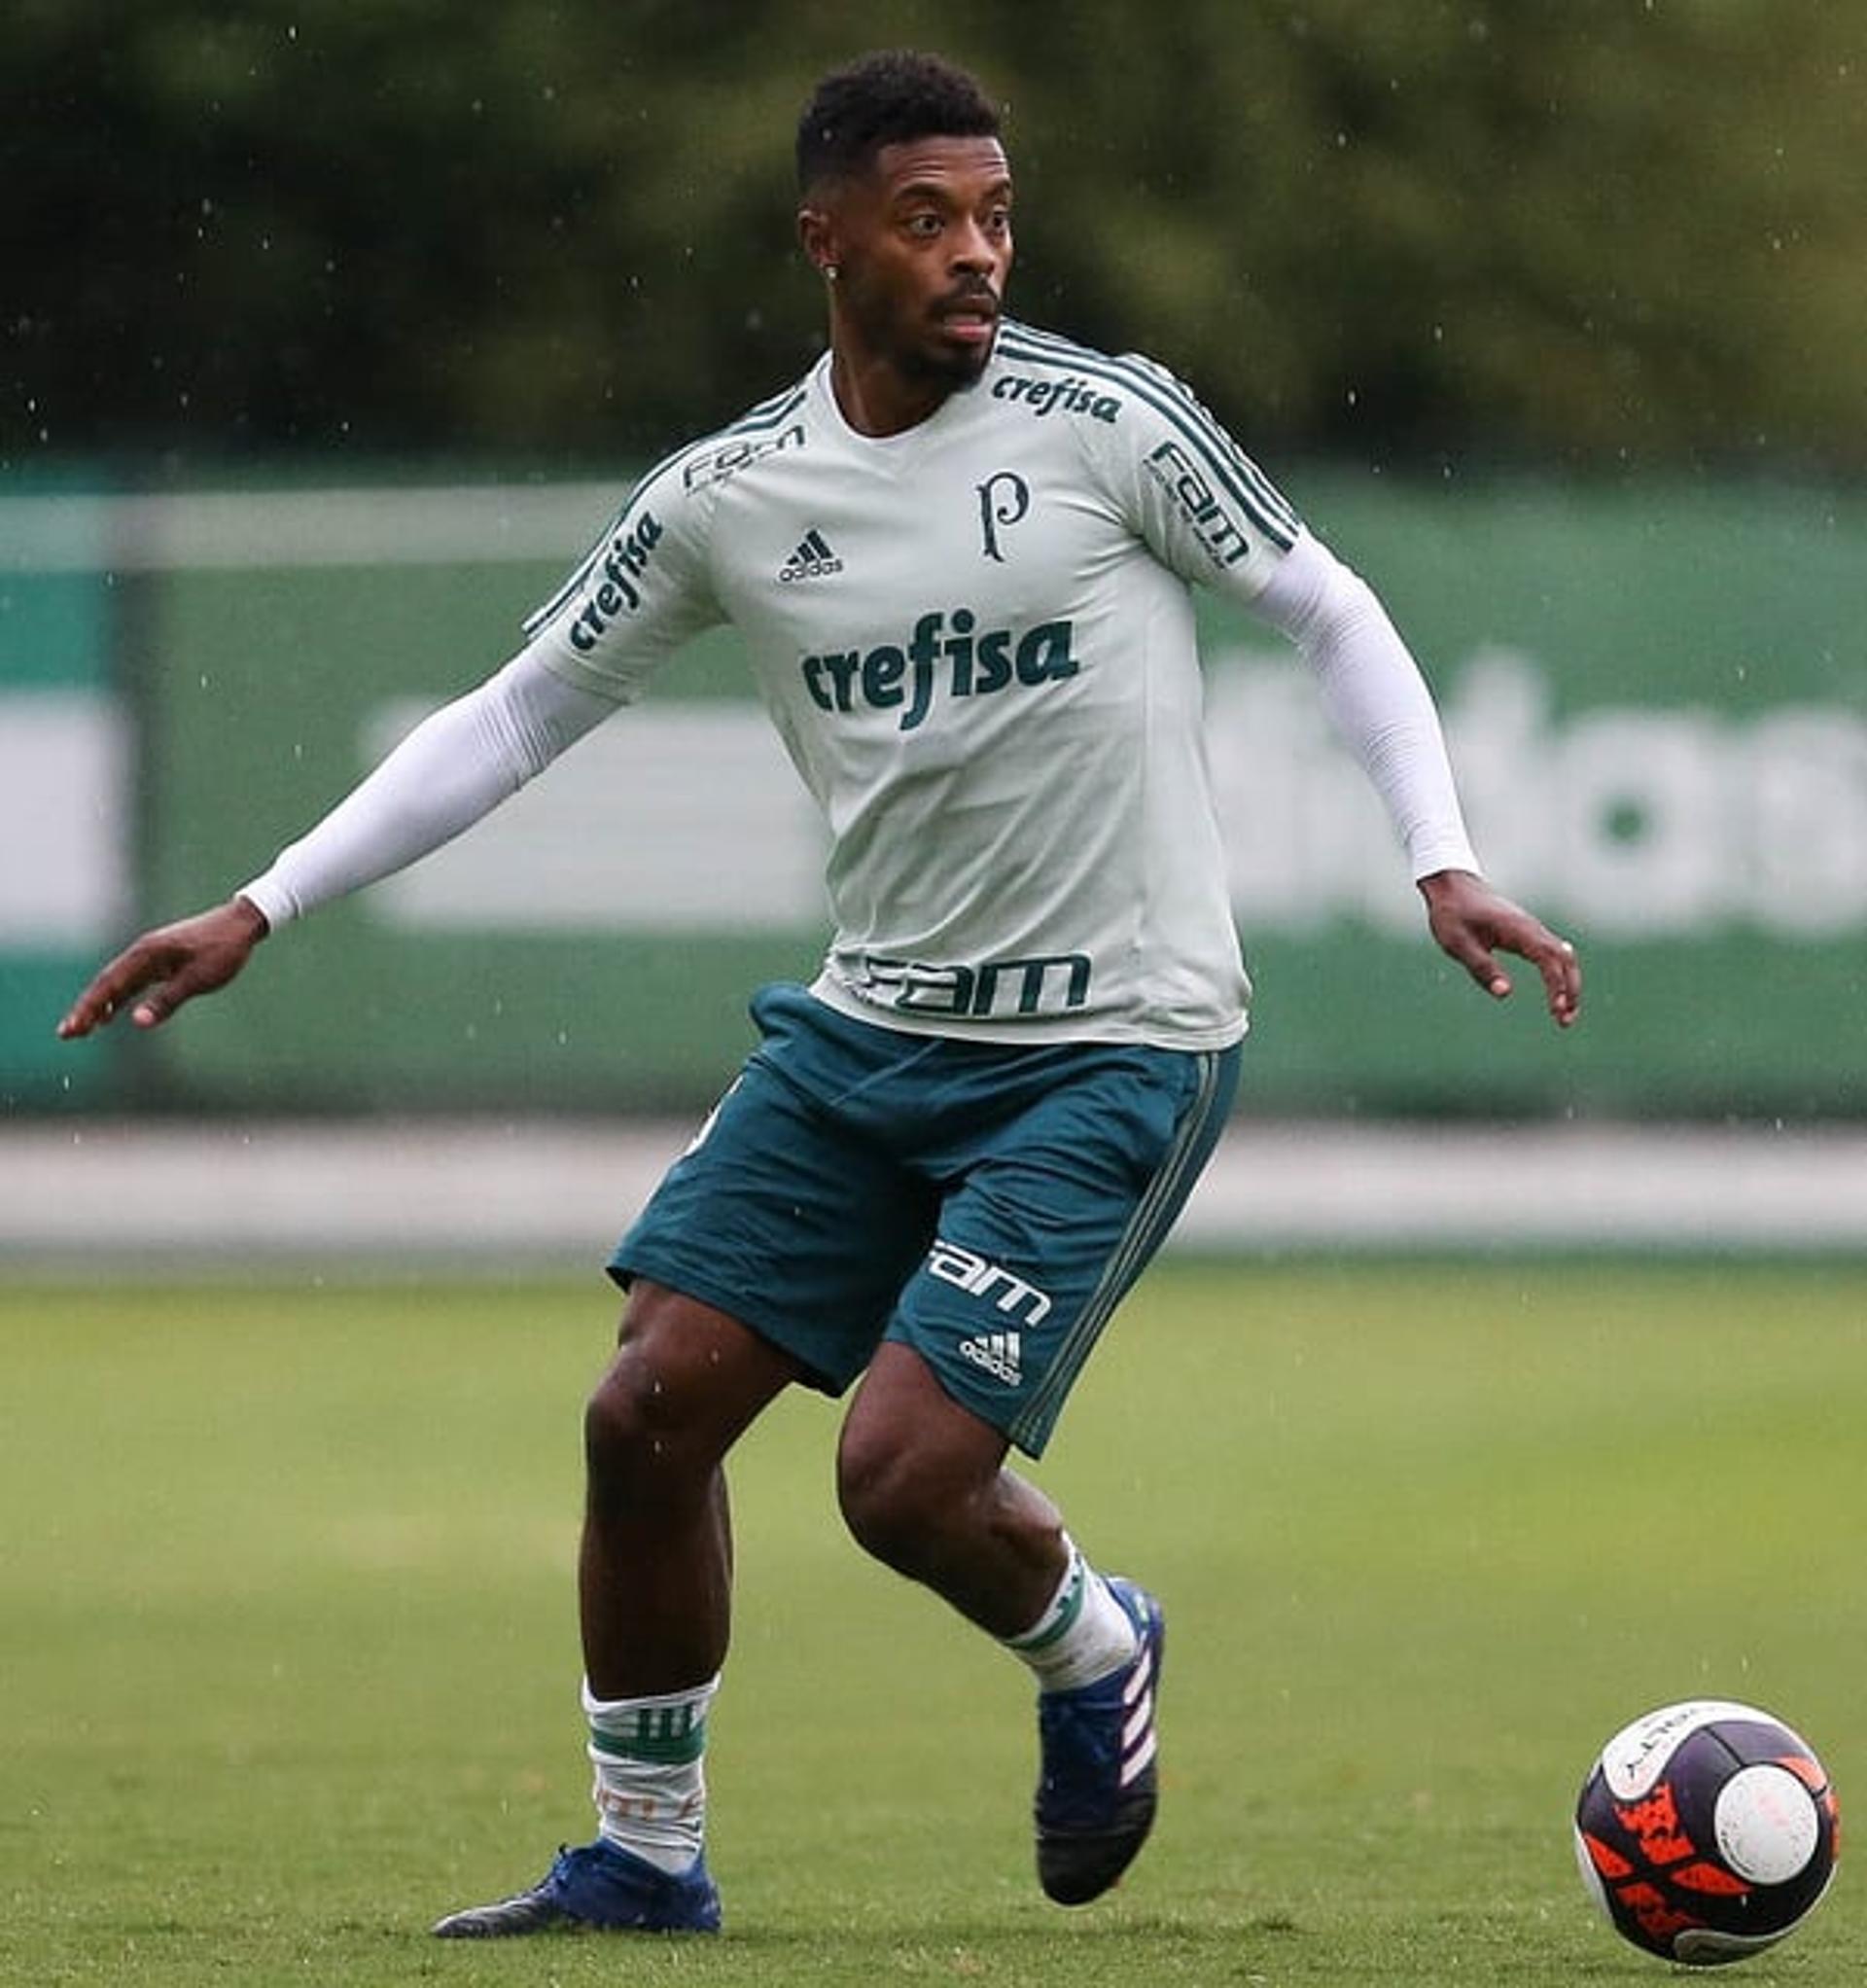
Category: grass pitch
[289,1664]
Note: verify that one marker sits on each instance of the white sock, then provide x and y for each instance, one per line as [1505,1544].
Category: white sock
[1082,1634]
[651,1789]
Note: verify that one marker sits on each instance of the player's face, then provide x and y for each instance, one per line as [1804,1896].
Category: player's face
[922,245]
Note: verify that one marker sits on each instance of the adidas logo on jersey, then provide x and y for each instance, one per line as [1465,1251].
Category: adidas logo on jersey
[999,1353]
[812,560]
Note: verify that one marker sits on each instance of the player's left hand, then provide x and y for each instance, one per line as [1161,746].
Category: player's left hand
[1473,924]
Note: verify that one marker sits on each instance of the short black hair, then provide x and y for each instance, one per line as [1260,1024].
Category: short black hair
[887,99]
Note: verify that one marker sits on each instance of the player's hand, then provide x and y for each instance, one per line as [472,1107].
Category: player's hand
[1474,924]
[163,969]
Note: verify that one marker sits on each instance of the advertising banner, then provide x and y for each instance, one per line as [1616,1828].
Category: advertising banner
[1656,699]
[66,790]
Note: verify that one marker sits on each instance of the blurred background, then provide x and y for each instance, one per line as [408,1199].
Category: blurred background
[332,332]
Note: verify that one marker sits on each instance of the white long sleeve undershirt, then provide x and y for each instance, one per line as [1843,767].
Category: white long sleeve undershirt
[461,760]
[457,766]
[1376,697]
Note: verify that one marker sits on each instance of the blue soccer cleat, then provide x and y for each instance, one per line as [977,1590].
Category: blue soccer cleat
[1097,1786]
[598,1888]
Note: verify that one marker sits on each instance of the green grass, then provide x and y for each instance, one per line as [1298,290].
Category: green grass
[288,1665]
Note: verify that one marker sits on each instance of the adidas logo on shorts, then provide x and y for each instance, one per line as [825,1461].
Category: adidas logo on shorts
[999,1353]
[812,560]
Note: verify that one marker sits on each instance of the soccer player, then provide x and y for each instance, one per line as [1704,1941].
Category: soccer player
[960,552]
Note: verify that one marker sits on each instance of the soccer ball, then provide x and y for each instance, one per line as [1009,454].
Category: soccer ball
[1705,1831]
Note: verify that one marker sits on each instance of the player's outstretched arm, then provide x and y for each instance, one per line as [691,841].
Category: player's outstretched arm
[163,969]
[1473,924]
[457,766]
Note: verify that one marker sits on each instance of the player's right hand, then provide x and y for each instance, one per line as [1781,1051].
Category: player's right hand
[163,969]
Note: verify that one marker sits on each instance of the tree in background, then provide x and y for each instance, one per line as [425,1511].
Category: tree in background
[1603,236]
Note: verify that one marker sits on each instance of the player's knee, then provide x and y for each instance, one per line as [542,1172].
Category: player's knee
[639,1441]
[895,1501]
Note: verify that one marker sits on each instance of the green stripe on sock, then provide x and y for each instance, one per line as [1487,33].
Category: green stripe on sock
[668,1737]
[1053,1631]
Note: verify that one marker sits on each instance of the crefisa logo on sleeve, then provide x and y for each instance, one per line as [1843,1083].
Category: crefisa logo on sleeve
[611,590]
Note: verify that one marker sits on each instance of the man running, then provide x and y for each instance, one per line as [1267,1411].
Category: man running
[960,553]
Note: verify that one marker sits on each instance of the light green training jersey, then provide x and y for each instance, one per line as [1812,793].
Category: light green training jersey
[976,640]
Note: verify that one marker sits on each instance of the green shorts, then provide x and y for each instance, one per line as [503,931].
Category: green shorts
[987,1205]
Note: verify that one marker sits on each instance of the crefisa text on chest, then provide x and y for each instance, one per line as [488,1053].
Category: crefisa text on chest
[947,654]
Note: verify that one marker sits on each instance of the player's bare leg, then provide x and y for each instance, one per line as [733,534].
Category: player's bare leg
[925,1488]
[654,1571]
[654,1582]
